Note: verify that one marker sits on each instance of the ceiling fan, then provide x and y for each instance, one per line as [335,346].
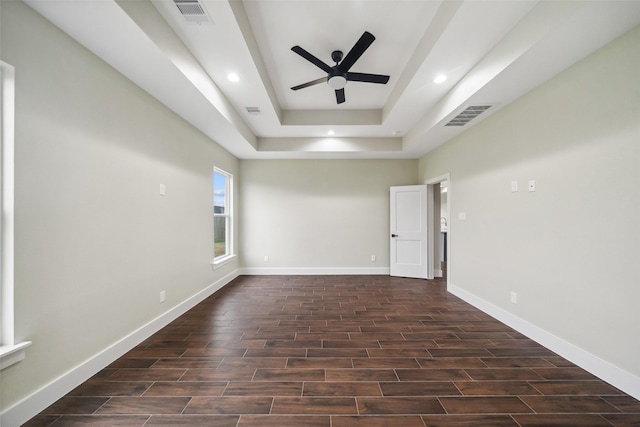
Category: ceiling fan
[338,75]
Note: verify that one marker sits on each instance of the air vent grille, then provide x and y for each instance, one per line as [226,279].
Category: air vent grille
[252,110]
[467,115]
[192,11]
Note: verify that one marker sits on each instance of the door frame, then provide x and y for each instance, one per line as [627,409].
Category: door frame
[431,235]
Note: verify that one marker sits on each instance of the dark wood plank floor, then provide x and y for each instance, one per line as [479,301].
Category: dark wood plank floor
[340,351]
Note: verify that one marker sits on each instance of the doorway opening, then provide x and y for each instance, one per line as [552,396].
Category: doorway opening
[440,234]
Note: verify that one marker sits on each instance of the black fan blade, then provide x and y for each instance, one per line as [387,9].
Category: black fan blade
[356,51]
[311,83]
[368,78]
[309,57]
[340,95]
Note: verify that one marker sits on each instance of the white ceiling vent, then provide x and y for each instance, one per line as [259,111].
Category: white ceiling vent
[252,110]
[467,115]
[192,11]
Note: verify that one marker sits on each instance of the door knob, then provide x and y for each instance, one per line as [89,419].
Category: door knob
[394,235]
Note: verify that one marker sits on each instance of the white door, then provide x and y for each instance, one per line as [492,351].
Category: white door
[409,227]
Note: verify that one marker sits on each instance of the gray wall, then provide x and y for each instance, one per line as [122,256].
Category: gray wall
[95,243]
[571,249]
[315,214]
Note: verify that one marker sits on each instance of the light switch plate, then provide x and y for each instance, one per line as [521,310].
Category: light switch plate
[532,185]
[514,186]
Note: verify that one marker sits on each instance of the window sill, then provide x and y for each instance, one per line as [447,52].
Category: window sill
[222,261]
[11,354]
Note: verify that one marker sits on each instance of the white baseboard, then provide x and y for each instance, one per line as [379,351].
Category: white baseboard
[604,370]
[32,405]
[314,271]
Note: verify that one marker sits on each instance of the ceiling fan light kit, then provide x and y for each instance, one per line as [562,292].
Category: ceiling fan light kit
[337,82]
[338,75]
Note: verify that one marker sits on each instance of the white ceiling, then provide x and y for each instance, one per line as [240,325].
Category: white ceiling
[491,51]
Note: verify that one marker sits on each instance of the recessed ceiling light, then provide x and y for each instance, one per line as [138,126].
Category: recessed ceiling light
[440,78]
[233,77]
[331,133]
[396,133]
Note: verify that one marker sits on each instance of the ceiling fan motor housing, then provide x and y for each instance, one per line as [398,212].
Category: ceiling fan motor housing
[337,79]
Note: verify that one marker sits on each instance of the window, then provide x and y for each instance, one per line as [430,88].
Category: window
[222,216]
[10,352]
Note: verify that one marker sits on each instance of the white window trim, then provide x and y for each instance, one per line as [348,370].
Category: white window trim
[219,262]
[10,352]
[231,255]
